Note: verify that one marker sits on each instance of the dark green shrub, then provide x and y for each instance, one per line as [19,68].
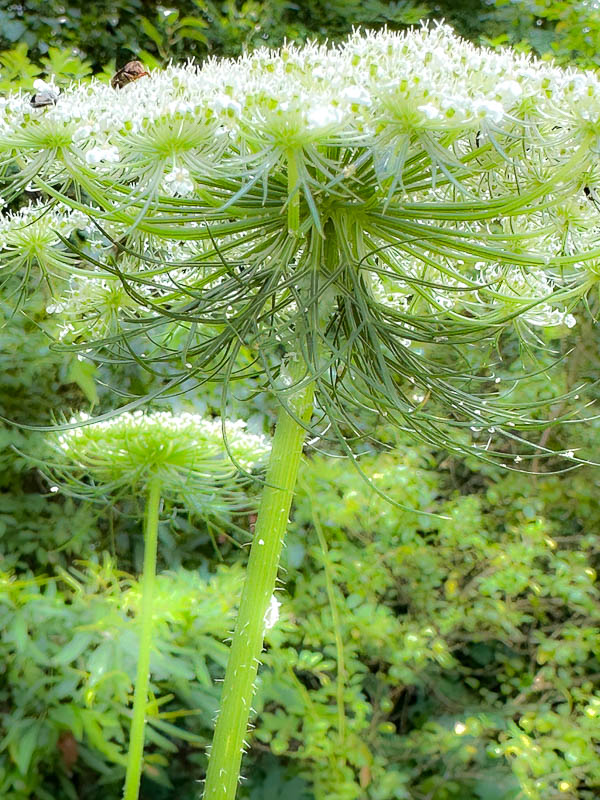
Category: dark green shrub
[108,32]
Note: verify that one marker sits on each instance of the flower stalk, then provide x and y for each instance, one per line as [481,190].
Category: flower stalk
[140,697]
[181,457]
[238,688]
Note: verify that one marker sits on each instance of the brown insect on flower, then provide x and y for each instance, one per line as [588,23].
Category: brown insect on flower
[43,99]
[132,71]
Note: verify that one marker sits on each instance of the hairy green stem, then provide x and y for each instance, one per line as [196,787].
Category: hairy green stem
[238,688]
[140,697]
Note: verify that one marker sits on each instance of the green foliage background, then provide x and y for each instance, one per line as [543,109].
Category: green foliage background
[449,657]
[71,39]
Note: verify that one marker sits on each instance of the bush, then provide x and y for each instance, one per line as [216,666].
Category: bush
[463,651]
[109,32]
[96,37]
[69,651]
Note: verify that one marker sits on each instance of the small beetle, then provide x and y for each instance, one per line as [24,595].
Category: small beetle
[132,71]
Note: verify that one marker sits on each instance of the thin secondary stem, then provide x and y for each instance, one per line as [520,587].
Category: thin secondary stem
[140,697]
[238,688]
[335,616]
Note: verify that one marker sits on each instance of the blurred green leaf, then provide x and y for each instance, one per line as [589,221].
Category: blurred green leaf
[83,373]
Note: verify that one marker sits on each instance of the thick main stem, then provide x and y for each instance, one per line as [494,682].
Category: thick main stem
[238,688]
[140,696]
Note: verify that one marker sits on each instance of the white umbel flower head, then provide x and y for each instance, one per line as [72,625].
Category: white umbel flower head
[31,236]
[187,452]
[407,193]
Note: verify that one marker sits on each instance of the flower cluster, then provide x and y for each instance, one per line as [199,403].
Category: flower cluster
[395,193]
[188,453]
[401,115]
[31,236]
[371,91]
[93,307]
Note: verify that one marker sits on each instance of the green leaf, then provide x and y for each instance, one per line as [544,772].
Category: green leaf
[151,32]
[93,729]
[159,740]
[63,63]
[100,662]
[190,33]
[75,647]
[82,373]
[163,663]
[22,748]
[193,22]
[179,733]
[170,16]
[13,30]
[149,59]
[277,783]
[17,69]
[67,788]
[295,554]
[18,631]
[202,674]
[502,786]
[218,651]
[69,717]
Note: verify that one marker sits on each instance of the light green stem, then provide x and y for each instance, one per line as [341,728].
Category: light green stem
[140,697]
[293,194]
[335,616]
[238,689]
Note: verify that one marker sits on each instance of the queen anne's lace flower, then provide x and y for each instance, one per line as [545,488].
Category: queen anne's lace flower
[435,193]
[187,452]
[92,307]
[32,236]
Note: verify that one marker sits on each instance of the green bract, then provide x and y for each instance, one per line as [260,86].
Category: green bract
[185,452]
